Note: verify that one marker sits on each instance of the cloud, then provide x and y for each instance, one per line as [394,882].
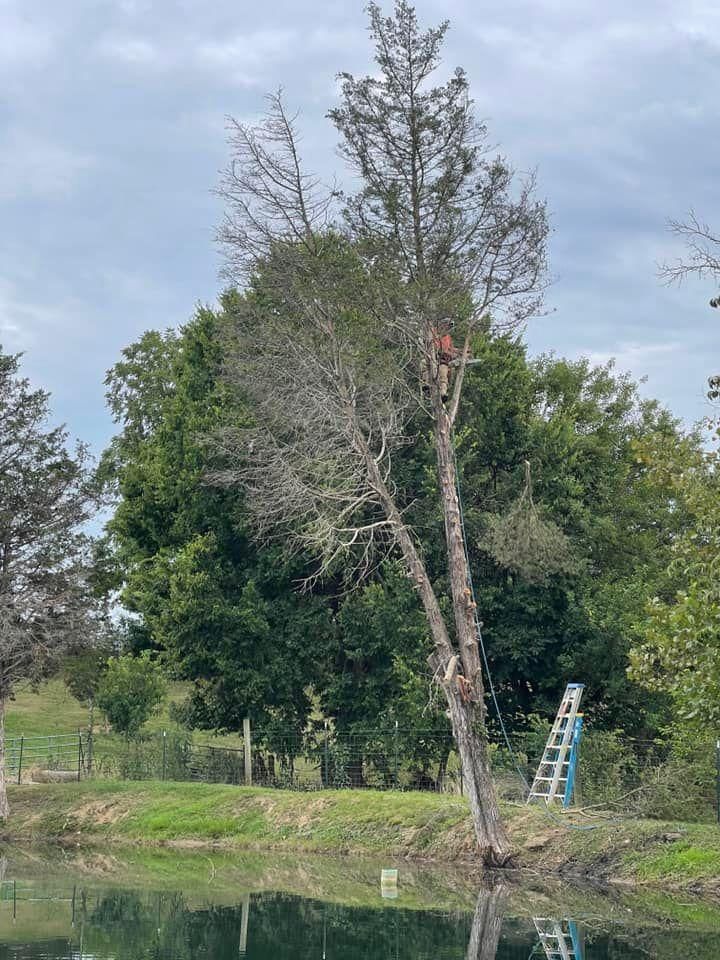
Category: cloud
[134,51]
[25,321]
[245,57]
[23,42]
[613,102]
[638,357]
[248,58]
[31,166]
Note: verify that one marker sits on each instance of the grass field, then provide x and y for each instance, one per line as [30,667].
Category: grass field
[52,710]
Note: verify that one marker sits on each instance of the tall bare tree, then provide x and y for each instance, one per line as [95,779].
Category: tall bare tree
[45,497]
[336,340]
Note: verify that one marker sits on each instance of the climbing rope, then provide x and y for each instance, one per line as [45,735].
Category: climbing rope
[491,686]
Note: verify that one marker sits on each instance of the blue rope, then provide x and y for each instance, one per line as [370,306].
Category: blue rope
[488,673]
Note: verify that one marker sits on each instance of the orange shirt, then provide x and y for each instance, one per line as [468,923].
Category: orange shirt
[445,347]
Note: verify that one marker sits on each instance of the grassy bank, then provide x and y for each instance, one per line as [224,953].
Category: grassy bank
[412,825]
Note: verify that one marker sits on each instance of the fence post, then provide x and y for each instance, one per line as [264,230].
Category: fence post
[20,758]
[164,754]
[247,751]
[80,757]
[396,754]
[327,757]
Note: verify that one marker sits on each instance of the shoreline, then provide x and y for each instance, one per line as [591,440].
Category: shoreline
[412,827]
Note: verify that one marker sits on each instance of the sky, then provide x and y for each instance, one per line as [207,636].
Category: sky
[112,133]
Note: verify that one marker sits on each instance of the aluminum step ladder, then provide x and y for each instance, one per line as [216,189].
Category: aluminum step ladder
[559,938]
[555,775]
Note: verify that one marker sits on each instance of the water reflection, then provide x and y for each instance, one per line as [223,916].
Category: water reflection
[92,922]
[486,925]
[559,939]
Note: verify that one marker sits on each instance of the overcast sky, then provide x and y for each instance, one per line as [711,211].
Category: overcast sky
[112,133]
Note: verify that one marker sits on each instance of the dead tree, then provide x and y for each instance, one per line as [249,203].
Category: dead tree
[335,339]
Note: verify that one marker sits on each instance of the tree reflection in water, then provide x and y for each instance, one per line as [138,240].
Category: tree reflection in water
[487,924]
[58,924]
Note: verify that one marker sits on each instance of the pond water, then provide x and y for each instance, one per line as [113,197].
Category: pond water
[200,906]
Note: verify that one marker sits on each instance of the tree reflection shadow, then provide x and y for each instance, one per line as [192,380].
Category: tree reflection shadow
[487,924]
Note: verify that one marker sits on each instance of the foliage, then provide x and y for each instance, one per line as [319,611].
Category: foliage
[523,541]
[336,345]
[579,426]
[131,690]
[679,648]
[83,671]
[45,498]
[225,612]
[683,786]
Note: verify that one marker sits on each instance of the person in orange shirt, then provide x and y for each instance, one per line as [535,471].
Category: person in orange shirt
[446,353]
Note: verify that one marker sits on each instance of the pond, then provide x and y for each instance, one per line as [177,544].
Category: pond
[183,906]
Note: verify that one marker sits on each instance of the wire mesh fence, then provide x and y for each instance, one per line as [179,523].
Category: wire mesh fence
[615,772]
[651,778]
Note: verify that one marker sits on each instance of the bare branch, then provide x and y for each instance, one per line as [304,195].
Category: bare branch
[702,247]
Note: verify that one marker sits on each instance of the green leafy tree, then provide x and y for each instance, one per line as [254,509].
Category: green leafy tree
[583,429]
[679,648]
[179,550]
[579,426]
[82,672]
[131,691]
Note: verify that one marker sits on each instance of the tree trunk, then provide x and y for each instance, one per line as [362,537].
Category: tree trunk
[492,838]
[4,806]
[464,696]
[463,605]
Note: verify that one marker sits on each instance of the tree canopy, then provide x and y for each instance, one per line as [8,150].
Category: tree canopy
[229,615]
[181,550]
[46,496]
[678,647]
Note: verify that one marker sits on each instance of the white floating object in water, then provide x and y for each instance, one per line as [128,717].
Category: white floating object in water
[388,884]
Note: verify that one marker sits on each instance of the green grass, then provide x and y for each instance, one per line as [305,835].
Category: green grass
[45,712]
[411,824]
[154,812]
[366,822]
[681,858]
[50,710]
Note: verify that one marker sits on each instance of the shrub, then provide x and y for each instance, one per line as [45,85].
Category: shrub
[131,690]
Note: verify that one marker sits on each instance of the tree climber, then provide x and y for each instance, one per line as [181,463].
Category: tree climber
[446,353]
